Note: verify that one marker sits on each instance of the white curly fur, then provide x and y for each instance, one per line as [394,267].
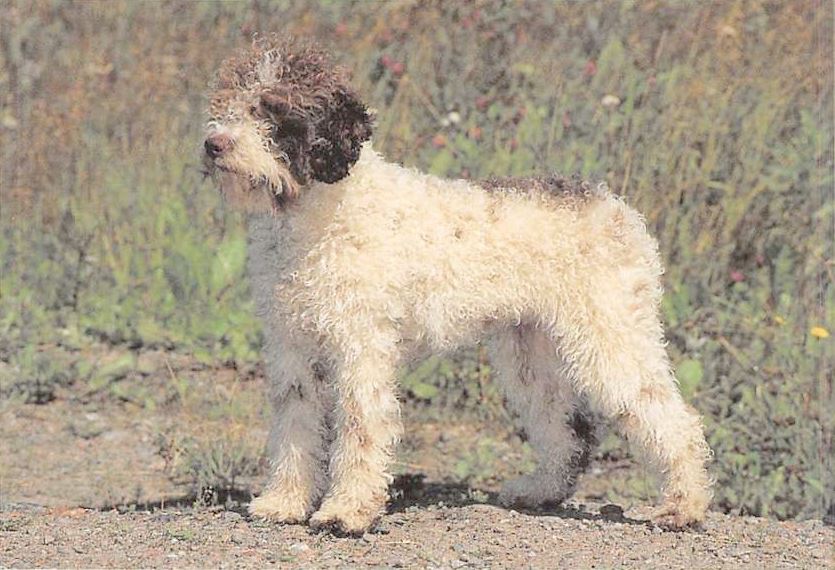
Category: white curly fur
[355,278]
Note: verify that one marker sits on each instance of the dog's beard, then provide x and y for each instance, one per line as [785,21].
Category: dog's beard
[254,194]
[253,175]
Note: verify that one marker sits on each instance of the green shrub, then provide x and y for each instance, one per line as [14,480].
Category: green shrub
[36,376]
[212,468]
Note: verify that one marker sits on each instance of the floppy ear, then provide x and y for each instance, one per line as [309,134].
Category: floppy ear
[291,133]
[339,137]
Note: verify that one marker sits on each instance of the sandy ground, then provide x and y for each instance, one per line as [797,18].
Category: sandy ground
[433,536]
[82,484]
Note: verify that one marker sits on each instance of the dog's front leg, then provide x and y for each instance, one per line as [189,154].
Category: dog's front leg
[299,397]
[368,427]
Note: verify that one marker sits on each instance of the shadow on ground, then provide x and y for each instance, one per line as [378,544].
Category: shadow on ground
[407,491]
[411,490]
[235,500]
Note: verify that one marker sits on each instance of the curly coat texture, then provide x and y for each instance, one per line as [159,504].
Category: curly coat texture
[359,265]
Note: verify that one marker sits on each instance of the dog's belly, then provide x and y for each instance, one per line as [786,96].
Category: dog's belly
[422,339]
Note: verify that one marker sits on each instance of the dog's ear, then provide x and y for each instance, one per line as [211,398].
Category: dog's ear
[339,137]
[292,132]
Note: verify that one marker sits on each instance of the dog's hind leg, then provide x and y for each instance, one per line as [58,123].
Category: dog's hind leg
[554,419]
[620,365]
[297,443]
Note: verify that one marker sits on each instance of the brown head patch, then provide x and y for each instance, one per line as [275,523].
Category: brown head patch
[310,116]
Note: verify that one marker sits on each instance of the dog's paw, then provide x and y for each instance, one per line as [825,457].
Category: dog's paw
[280,508]
[677,516]
[531,491]
[344,521]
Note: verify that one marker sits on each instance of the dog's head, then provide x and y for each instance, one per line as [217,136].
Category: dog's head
[281,116]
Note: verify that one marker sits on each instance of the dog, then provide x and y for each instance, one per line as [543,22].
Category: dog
[359,266]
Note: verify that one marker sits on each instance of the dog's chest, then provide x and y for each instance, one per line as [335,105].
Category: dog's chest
[290,272]
[271,255]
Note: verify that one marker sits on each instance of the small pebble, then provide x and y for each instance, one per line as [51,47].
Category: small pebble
[299,548]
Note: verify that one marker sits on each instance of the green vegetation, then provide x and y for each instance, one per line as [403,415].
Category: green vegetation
[714,119]
[212,467]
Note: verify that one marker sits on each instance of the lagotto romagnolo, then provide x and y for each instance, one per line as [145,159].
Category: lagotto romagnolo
[359,266]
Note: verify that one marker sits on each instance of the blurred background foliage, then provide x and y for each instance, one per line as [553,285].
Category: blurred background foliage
[712,118]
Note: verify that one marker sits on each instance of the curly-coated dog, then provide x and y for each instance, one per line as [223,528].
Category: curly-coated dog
[359,265]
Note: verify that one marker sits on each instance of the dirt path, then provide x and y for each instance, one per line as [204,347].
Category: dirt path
[475,536]
[82,483]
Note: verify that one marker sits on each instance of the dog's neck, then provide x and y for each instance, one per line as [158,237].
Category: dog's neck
[368,163]
[314,208]
[319,195]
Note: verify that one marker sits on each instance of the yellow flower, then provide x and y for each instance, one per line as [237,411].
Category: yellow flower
[819,332]
[779,320]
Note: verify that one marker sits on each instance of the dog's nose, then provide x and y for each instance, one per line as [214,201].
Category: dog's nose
[217,144]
